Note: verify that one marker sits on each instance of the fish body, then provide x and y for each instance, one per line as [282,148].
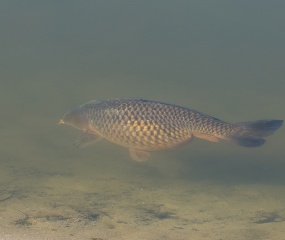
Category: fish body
[144,126]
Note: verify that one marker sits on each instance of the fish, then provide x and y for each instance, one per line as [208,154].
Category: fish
[144,126]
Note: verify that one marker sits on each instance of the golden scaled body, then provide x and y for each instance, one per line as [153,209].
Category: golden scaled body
[144,126]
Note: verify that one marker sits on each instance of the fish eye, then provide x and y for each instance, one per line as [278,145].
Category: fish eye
[73,118]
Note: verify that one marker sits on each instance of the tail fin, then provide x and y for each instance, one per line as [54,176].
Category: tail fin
[251,134]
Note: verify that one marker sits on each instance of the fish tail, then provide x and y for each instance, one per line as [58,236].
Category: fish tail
[251,134]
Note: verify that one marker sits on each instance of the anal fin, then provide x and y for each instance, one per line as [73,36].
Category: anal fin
[87,139]
[139,155]
[210,138]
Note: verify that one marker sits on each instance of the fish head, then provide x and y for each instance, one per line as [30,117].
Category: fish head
[76,119]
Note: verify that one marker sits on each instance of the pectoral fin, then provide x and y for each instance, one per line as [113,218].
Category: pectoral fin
[206,137]
[87,139]
[139,155]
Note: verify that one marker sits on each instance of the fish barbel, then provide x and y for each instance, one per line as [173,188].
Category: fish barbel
[144,126]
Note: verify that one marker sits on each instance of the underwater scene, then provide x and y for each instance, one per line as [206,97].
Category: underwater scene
[224,59]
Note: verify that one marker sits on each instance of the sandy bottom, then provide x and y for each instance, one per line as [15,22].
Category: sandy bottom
[105,199]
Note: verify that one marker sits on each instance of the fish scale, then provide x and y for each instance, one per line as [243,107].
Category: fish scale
[144,125]
[152,132]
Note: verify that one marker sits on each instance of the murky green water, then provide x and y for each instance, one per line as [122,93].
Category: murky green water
[223,58]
